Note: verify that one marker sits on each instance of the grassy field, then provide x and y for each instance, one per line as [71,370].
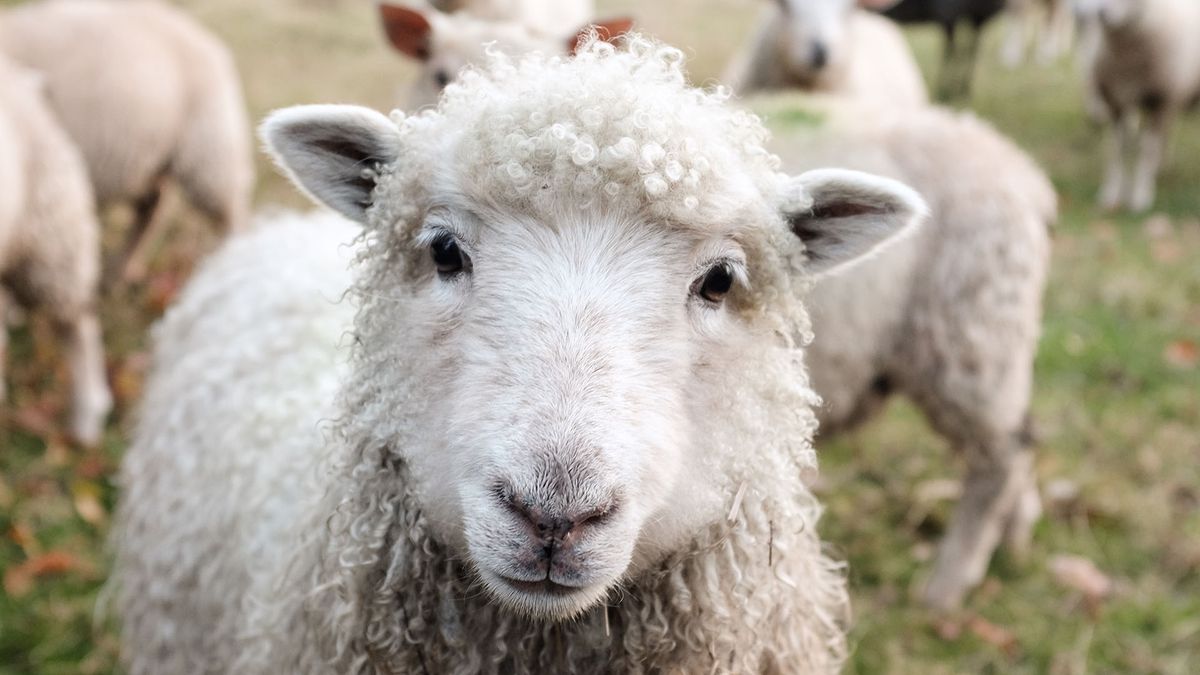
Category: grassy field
[1117,402]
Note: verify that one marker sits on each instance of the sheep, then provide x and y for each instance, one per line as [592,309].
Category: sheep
[1146,62]
[548,17]
[948,317]
[958,66]
[49,241]
[149,97]
[1052,19]
[829,46]
[446,43]
[543,453]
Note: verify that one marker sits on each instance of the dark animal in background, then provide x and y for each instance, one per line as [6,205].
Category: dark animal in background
[958,58]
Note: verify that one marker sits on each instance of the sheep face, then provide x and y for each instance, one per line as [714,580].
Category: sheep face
[814,35]
[559,348]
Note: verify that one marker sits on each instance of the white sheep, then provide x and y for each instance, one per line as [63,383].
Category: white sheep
[149,97]
[949,317]
[829,46]
[50,241]
[572,428]
[445,43]
[548,17]
[1145,64]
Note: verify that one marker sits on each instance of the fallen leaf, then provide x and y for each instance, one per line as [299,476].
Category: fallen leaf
[1183,354]
[1080,574]
[937,490]
[998,636]
[19,579]
[87,502]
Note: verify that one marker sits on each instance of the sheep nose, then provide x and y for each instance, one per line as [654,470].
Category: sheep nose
[561,528]
[819,56]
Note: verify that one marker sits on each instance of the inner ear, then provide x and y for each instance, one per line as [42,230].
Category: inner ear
[408,30]
[607,30]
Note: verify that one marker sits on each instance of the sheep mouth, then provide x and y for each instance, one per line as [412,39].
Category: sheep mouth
[544,586]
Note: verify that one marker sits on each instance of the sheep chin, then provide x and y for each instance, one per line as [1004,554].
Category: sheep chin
[552,602]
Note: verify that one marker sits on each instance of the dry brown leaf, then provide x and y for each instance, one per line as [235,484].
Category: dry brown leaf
[19,579]
[1183,354]
[998,636]
[1081,574]
[127,377]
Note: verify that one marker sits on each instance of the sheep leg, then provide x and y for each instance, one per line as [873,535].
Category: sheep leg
[3,345]
[949,63]
[993,488]
[1013,51]
[91,399]
[1059,31]
[1152,141]
[145,225]
[1121,138]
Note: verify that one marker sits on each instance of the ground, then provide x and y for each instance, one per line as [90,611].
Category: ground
[1117,402]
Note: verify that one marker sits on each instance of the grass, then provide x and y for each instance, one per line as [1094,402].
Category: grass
[1117,402]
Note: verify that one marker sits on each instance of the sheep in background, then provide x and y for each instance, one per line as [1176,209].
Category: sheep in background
[549,457]
[554,18]
[1145,69]
[447,43]
[949,317]
[49,241]
[149,97]
[958,61]
[1048,22]
[829,46]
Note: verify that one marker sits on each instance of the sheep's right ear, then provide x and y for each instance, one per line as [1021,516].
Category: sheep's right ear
[325,149]
[407,29]
[843,216]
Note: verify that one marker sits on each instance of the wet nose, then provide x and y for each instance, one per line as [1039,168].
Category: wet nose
[819,56]
[558,528]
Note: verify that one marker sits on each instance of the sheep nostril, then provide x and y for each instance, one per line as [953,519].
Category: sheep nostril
[819,56]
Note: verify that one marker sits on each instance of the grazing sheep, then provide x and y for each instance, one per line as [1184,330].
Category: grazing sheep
[149,97]
[545,454]
[548,17]
[829,46]
[1049,21]
[949,317]
[958,61]
[49,240]
[1145,63]
[446,43]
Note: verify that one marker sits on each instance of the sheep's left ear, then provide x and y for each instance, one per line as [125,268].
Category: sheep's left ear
[608,30]
[326,149]
[843,215]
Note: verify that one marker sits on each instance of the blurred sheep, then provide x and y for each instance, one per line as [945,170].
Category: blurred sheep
[958,60]
[1049,22]
[49,240]
[1145,70]
[149,97]
[829,46]
[949,317]
[445,43]
[546,17]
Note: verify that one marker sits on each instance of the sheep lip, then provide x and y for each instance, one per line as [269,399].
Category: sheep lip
[543,587]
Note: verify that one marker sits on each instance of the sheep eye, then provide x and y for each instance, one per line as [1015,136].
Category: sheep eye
[448,258]
[442,78]
[716,283]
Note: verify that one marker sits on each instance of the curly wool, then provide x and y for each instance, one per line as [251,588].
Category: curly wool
[357,581]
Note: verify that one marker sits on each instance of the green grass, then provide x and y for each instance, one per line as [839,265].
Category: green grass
[1118,418]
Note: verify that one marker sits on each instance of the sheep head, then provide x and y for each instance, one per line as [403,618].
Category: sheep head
[580,297]
[445,43]
[814,35]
